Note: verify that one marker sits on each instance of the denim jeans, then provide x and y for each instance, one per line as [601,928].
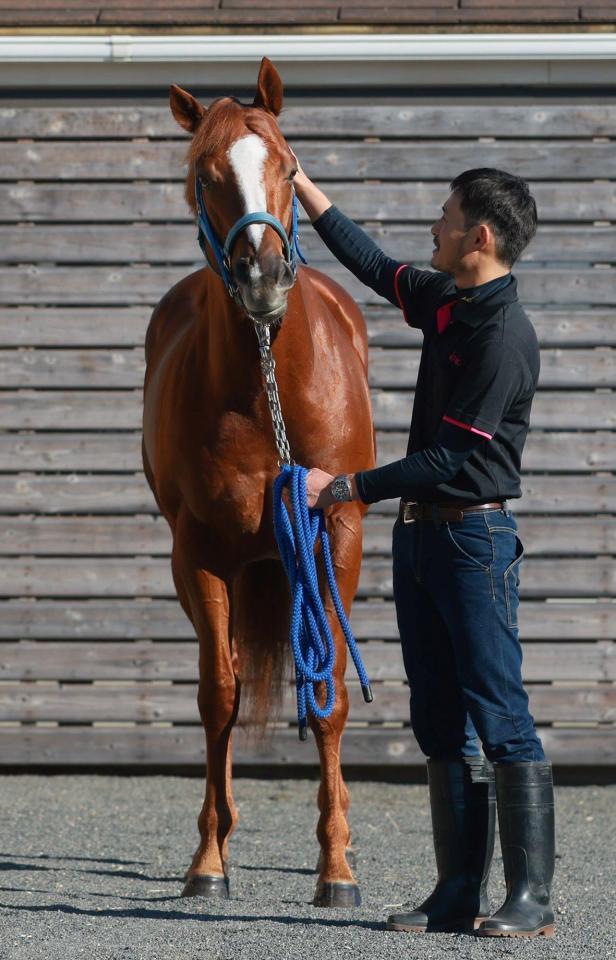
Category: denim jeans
[456,593]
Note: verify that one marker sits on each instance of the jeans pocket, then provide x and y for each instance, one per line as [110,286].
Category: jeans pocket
[472,541]
[511,577]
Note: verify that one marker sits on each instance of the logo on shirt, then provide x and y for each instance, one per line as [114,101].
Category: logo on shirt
[454,358]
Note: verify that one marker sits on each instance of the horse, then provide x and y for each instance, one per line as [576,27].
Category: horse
[210,457]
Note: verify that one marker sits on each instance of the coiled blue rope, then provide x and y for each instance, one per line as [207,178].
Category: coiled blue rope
[312,640]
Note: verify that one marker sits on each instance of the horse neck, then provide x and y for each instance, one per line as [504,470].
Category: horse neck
[227,348]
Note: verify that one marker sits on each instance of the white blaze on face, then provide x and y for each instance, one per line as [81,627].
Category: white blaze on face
[247,157]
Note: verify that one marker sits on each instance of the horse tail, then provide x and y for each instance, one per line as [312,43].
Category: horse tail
[261,605]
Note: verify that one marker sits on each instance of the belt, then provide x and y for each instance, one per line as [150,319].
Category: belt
[409,512]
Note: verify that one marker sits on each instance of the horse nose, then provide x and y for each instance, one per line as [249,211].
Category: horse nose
[271,272]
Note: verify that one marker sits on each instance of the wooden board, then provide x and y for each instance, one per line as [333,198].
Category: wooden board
[562,202]
[391,409]
[153,702]
[175,243]
[124,746]
[110,493]
[130,285]
[389,369]
[70,326]
[565,452]
[548,119]
[388,160]
[151,577]
[133,536]
[559,621]
[177,661]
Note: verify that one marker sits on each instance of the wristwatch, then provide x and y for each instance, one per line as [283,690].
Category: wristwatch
[341,488]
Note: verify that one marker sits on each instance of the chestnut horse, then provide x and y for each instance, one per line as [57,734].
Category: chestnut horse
[210,455]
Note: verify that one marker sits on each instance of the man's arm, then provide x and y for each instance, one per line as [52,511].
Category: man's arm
[408,477]
[415,292]
[347,241]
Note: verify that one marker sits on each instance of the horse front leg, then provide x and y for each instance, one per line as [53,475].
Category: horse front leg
[336,885]
[218,699]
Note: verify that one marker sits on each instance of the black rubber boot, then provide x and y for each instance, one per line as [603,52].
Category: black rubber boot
[525,798]
[463,807]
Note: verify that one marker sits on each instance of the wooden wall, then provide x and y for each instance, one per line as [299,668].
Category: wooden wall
[97,662]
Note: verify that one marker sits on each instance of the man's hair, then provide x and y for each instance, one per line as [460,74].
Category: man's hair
[504,202]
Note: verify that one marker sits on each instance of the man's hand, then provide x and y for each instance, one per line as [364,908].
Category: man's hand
[318,492]
[311,198]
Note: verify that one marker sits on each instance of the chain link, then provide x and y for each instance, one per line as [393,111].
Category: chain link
[268,368]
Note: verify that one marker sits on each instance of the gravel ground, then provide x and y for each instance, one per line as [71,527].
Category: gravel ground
[92,868]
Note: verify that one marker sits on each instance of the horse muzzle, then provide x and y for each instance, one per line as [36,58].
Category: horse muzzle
[263,286]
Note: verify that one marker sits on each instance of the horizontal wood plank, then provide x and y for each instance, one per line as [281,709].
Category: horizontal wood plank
[69,326]
[175,243]
[124,746]
[75,493]
[118,285]
[564,452]
[156,619]
[566,201]
[151,577]
[134,536]
[147,702]
[399,121]
[108,409]
[389,369]
[387,160]
[178,660]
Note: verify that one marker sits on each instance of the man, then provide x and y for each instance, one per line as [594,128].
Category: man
[456,552]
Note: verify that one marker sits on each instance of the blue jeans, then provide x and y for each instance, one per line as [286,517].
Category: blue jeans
[456,593]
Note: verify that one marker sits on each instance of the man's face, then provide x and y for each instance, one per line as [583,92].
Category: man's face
[452,240]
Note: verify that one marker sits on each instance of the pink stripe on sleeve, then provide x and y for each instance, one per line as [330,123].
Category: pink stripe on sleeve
[397,289]
[466,426]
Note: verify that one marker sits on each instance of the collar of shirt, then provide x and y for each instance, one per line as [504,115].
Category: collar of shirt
[476,304]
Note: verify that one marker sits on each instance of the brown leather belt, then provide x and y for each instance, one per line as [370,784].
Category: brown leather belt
[452,511]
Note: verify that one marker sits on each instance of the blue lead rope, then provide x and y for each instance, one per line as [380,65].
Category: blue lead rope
[311,636]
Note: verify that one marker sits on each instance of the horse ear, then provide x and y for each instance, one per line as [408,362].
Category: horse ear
[269,88]
[187,111]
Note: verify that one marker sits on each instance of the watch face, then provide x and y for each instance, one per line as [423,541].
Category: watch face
[341,488]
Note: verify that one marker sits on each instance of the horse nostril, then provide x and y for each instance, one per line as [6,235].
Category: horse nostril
[284,274]
[242,270]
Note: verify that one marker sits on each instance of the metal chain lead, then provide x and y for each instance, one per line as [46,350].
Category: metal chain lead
[268,367]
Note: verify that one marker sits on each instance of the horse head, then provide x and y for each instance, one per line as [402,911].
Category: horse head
[240,164]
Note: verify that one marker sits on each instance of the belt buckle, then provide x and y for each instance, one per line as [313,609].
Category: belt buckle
[407,513]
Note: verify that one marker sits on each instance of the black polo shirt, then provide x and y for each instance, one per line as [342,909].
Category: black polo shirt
[478,371]
[479,364]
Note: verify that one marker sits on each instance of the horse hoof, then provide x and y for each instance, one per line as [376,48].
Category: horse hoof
[206,885]
[339,894]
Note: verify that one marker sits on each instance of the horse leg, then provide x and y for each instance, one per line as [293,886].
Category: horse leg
[218,698]
[336,885]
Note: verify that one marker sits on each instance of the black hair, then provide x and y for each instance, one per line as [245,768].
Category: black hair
[504,202]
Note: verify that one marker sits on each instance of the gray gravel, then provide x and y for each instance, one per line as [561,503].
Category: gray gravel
[92,867]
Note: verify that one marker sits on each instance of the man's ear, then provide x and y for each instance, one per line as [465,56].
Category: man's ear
[269,88]
[187,111]
[484,236]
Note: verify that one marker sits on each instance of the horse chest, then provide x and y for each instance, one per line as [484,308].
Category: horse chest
[232,477]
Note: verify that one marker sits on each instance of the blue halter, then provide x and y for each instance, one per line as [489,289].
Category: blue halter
[223,253]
